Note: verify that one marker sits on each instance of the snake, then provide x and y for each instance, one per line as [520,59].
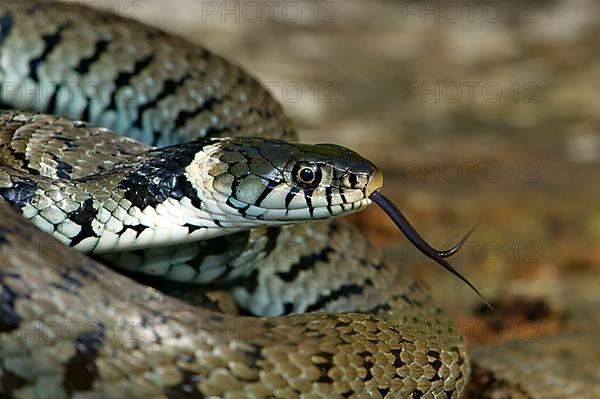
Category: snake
[164,234]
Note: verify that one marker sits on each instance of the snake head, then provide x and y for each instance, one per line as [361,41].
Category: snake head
[270,181]
[266,181]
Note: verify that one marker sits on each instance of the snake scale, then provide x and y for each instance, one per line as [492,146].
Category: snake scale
[209,188]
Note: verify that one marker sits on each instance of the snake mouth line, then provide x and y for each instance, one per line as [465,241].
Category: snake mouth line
[415,238]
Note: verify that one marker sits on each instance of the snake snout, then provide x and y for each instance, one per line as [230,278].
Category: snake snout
[375,183]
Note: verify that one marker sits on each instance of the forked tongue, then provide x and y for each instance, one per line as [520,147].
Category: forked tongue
[438,256]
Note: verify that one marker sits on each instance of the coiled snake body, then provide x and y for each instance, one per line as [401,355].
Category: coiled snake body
[220,210]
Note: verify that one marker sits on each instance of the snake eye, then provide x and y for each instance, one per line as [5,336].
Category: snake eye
[307,175]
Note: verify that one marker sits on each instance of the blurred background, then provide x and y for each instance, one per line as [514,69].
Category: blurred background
[480,111]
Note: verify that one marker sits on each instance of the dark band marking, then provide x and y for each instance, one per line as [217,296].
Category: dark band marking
[288,308]
[70,279]
[50,42]
[192,227]
[232,244]
[124,79]
[20,194]
[63,169]
[51,105]
[189,191]
[343,199]
[85,114]
[343,292]
[398,357]
[407,299]
[272,235]
[353,180]
[308,198]
[10,382]
[84,216]
[86,63]
[382,307]
[325,364]
[6,24]
[138,228]
[305,263]
[270,187]
[368,365]
[82,68]
[417,394]
[328,194]
[249,283]
[9,319]
[69,142]
[169,88]
[290,196]
[81,369]
[184,116]
[235,183]
[242,211]
[187,388]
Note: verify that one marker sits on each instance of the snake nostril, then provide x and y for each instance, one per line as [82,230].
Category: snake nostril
[355,181]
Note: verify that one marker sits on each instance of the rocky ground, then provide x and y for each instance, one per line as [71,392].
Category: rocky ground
[477,112]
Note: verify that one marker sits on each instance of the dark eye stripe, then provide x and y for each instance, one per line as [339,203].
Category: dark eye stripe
[308,199]
[328,194]
[343,197]
[272,184]
[290,196]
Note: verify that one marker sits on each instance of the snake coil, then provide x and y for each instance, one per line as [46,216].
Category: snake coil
[210,162]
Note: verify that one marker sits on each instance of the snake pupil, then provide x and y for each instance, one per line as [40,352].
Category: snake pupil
[307,175]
